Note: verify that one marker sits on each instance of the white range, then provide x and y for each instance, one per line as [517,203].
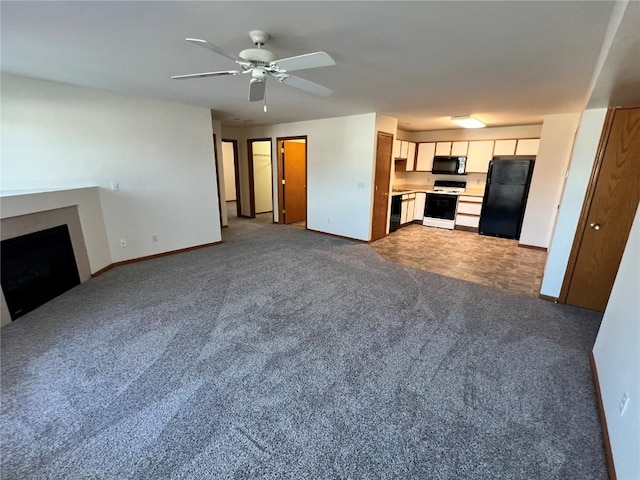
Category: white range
[440,207]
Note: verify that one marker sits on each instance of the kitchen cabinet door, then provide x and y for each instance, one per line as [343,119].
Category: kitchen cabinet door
[396,149]
[405,209]
[469,208]
[459,149]
[443,148]
[479,156]
[426,151]
[468,220]
[411,207]
[528,146]
[505,147]
[404,149]
[411,156]
[418,211]
[468,211]
[408,208]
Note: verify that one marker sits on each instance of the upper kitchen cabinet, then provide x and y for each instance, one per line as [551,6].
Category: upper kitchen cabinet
[411,156]
[528,146]
[443,149]
[405,149]
[400,165]
[479,156]
[459,149]
[424,161]
[505,147]
[396,149]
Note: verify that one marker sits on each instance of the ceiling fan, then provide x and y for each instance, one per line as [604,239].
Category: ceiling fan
[260,63]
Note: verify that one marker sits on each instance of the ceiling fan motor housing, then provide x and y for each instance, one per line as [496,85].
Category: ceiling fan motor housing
[259,56]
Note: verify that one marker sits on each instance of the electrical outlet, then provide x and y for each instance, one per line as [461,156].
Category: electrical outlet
[624,401]
[154,238]
[123,242]
[115,187]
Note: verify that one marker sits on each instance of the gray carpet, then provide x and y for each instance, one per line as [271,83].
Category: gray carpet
[288,354]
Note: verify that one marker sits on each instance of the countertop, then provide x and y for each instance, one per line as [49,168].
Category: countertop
[403,189]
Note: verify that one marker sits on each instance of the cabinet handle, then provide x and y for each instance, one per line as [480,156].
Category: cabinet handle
[595,226]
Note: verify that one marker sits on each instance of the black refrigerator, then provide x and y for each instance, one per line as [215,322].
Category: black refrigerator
[505,196]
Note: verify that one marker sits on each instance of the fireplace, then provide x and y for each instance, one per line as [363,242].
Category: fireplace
[36,268]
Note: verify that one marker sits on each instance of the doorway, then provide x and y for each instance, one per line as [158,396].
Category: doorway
[607,213]
[292,179]
[231,177]
[384,146]
[260,176]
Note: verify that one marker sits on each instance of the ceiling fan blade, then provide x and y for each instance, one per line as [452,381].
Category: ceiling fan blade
[306,85]
[302,62]
[206,74]
[256,91]
[216,49]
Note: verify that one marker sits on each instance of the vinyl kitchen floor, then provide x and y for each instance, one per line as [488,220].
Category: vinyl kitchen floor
[491,261]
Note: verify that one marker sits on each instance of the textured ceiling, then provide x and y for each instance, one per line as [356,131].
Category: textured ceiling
[508,63]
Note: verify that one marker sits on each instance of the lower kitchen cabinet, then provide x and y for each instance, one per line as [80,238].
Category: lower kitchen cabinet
[468,211]
[421,200]
[408,208]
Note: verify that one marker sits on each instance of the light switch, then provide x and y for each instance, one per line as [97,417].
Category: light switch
[115,187]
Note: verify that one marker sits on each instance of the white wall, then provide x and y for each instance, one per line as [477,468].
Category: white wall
[339,170]
[262,176]
[62,136]
[617,357]
[556,141]
[229,171]
[217,131]
[584,154]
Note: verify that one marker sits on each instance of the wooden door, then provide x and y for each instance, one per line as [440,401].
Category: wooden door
[295,181]
[607,214]
[381,185]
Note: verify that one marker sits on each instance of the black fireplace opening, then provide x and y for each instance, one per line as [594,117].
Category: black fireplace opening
[36,268]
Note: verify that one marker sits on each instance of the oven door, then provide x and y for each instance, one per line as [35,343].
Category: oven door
[441,205]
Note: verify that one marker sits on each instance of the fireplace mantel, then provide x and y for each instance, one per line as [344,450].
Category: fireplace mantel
[26,212]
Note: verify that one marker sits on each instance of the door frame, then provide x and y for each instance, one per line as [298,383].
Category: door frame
[280,151]
[379,134]
[215,160]
[236,169]
[252,186]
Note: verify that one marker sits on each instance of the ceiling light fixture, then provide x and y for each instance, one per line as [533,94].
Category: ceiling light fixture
[467,121]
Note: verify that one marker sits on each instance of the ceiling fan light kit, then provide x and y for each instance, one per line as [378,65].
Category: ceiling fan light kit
[468,121]
[262,63]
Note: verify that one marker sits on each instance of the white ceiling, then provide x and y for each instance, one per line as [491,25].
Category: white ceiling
[508,63]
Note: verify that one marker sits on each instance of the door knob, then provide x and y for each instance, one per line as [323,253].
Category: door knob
[595,226]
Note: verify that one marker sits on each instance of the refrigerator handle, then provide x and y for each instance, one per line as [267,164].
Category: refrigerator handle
[489,172]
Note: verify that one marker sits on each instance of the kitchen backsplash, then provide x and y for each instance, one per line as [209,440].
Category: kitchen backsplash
[474,180]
